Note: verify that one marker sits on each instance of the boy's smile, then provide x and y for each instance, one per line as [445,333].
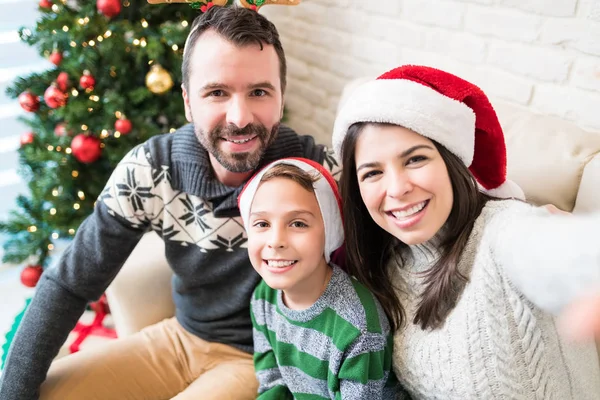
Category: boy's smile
[286,241]
[279,266]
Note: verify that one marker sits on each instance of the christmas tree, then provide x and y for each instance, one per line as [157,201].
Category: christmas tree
[115,84]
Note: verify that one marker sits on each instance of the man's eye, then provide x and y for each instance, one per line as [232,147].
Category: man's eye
[258,93]
[216,93]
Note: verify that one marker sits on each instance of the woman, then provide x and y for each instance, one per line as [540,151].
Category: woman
[470,279]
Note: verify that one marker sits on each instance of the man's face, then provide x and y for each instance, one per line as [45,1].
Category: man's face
[234,99]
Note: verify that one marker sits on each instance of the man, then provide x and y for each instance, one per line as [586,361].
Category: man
[184,186]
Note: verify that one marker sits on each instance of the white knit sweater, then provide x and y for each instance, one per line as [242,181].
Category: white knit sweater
[501,341]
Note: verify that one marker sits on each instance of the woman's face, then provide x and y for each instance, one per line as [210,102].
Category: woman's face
[403,182]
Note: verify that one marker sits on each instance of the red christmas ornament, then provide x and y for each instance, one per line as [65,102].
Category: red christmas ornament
[253,7]
[54,97]
[110,8]
[61,129]
[56,57]
[27,138]
[62,81]
[86,149]
[87,80]
[31,275]
[29,102]
[47,4]
[206,7]
[123,125]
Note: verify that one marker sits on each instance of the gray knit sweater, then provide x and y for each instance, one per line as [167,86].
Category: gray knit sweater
[501,340]
[165,185]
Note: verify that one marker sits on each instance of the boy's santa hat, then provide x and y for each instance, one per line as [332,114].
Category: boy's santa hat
[441,107]
[326,192]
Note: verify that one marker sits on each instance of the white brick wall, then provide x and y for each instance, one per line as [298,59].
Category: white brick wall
[540,54]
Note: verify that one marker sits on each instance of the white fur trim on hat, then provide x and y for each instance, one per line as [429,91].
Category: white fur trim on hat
[507,190]
[413,106]
[326,197]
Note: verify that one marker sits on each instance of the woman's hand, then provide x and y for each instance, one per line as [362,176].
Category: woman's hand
[581,319]
[555,210]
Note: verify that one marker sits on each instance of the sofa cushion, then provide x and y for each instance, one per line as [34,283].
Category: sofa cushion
[546,155]
[588,197]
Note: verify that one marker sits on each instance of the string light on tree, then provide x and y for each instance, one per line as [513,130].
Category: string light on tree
[158,80]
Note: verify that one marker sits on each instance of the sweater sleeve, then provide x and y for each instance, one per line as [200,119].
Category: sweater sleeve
[365,370]
[271,385]
[99,249]
[551,259]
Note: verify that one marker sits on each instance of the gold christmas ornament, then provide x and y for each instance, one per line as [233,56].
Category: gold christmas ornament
[158,80]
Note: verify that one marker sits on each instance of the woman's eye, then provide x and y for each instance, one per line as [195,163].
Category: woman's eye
[258,93]
[368,175]
[299,224]
[260,224]
[415,159]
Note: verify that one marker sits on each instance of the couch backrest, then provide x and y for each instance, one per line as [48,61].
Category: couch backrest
[547,156]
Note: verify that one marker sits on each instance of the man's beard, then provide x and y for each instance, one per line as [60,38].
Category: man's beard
[237,162]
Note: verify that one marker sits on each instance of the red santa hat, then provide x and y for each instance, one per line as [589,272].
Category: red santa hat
[441,107]
[326,192]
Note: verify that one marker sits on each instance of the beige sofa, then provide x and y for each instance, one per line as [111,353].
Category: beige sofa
[554,161]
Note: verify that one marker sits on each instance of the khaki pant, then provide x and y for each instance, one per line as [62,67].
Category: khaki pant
[163,361]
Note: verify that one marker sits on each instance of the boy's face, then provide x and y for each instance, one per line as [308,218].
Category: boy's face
[286,237]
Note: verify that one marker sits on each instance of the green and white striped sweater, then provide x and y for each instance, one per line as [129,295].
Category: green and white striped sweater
[339,348]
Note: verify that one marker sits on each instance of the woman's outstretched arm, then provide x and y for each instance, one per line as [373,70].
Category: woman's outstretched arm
[552,258]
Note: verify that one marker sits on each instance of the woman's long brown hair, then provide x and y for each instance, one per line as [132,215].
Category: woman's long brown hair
[369,247]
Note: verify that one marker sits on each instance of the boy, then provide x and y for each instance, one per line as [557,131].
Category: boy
[317,332]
